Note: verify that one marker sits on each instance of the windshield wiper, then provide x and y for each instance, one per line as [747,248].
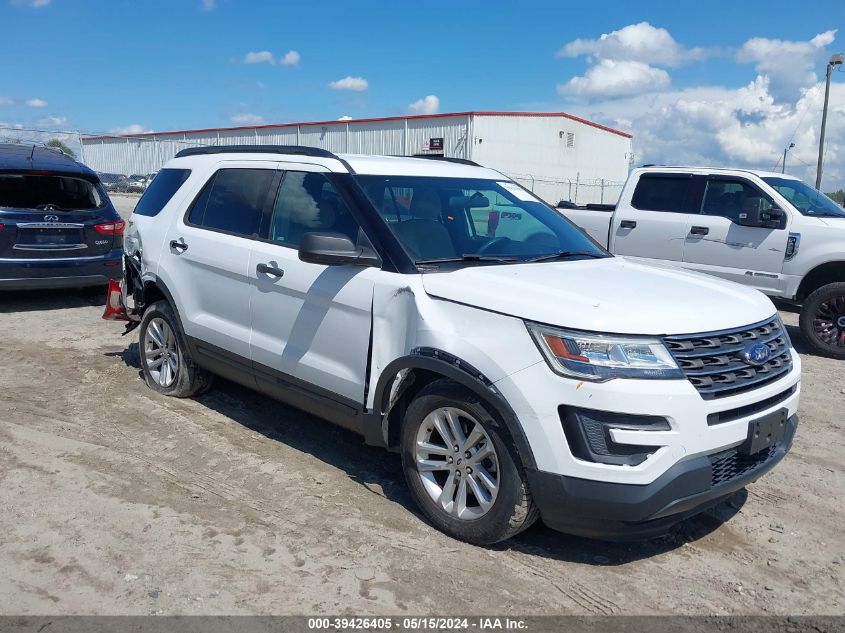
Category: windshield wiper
[565,255]
[469,257]
[825,214]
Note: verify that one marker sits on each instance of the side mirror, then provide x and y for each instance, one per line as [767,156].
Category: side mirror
[753,214]
[333,249]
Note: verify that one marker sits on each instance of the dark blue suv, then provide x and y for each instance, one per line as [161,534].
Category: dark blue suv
[58,228]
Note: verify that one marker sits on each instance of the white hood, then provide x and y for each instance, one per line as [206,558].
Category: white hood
[612,295]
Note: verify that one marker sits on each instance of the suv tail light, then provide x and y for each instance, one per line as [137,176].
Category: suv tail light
[110,228]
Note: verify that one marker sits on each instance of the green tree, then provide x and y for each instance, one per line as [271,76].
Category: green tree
[61,146]
[837,196]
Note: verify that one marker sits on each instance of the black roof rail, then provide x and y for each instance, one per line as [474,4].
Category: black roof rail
[448,159]
[296,150]
[299,150]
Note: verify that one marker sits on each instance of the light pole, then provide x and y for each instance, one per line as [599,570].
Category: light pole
[785,150]
[835,60]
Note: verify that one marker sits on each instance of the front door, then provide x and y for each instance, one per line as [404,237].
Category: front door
[310,322]
[717,244]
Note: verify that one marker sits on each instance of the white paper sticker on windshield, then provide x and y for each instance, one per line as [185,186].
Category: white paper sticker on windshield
[519,192]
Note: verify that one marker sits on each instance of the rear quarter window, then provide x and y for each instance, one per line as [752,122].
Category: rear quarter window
[163,187]
[661,193]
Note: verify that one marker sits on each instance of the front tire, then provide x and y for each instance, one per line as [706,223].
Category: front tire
[165,361]
[822,320]
[462,468]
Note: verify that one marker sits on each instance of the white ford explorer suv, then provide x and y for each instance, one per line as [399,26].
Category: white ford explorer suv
[519,369]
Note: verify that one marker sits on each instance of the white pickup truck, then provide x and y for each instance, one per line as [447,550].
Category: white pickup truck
[766,230]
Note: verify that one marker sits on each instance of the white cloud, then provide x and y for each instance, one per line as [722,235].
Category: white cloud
[356,84]
[36,103]
[208,5]
[248,119]
[345,117]
[133,128]
[52,120]
[789,64]
[291,58]
[610,78]
[429,104]
[6,101]
[636,42]
[744,127]
[259,57]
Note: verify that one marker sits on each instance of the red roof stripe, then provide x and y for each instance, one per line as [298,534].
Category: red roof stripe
[371,120]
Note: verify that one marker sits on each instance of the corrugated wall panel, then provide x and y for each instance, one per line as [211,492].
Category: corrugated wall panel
[330,137]
[381,137]
[277,136]
[452,130]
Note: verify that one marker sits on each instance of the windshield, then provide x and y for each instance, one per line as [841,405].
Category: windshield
[473,220]
[806,199]
[60,193]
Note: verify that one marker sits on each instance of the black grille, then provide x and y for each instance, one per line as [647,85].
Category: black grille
[713,362]
[732,464]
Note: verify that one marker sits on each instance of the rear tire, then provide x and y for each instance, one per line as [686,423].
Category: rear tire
[822,320]
[476,492]
[166,364]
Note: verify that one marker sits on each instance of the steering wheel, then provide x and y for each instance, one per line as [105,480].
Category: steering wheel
[494,242]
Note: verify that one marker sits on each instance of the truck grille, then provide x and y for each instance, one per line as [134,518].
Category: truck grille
[733,464]
[714,364]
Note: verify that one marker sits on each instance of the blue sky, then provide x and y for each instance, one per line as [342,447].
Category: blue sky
[100,66]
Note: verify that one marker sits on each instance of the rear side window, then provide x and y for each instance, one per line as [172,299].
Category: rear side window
[661,193]
[47,193]
[163,187]
[233,201]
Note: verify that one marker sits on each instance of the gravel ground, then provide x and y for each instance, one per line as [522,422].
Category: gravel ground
[115,500]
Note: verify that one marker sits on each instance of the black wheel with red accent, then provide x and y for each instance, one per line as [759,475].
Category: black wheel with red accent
[823,320]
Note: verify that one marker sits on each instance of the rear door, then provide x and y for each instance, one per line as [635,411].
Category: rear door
[205,259]
[717,244]
[653,223]
[55,216]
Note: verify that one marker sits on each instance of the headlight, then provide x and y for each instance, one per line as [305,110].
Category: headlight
[601,357]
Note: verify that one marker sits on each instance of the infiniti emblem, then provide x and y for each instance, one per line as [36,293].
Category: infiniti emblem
[51,218]
[756,354]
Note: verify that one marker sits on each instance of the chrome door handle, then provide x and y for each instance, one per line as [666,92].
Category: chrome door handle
[178,245]
[266,269]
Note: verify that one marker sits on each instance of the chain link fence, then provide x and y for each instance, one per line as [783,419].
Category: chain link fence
[577,191]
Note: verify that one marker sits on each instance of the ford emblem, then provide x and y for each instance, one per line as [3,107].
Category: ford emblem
[756,354]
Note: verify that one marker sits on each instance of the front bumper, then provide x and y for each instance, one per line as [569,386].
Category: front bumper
[70,272]
[617,511]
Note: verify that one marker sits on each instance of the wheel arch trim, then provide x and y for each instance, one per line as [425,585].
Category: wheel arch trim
[397,376]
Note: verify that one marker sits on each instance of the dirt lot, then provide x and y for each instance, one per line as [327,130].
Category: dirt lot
[115,500]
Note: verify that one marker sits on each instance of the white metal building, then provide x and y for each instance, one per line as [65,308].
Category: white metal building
[556,155]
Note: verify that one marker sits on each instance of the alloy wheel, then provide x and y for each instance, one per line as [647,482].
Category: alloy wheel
[457,463]
[160,351]
[829,322]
